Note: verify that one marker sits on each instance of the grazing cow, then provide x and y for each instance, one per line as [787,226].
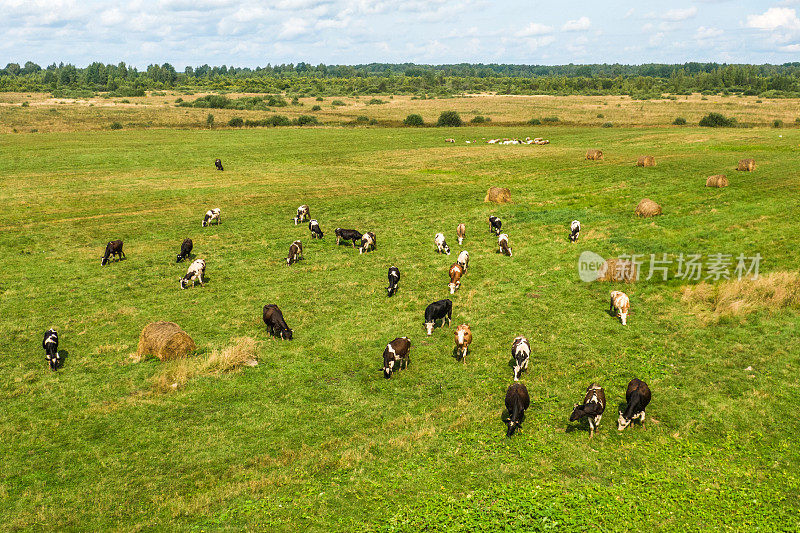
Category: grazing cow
[456,271]
[50,345]
[186,249]
[594,403]
[295,252]
[218,164]
[495,225]
[441,245]
[347,235]
[316,232]
[574,230]
[195,272]
[463,340]
[463,260]
[521,352]
[113,248]
[620,305]
[368,242]
[442,309]
[396,351]
[303,214]
[273,318]
[502,242]
[637,397]
[211,216]
[517,400]
[461,232]
[394,278]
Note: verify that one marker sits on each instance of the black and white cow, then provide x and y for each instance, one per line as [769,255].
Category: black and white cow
[517,400]
[113,248]
[368,242]
[521,352]
[638,396]
[594,403]
[495,225]
[273,318]
[50,345]
[574,230]
[218,164]
[186,249]
[295,252]
[441,244]
[316,232]
[347,235]
[443,309]
[303,214]
[503,246]
[396,351]
[394,278]
[195,272]
[211,216]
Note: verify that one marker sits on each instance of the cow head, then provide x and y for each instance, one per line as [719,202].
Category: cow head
[446,249]
[286,334]
[178,259]
[388,368]
[103,261]
[453,286]
[577,412]
[512,426]
[622,422]
[390,289]
[184,283]
[429,327]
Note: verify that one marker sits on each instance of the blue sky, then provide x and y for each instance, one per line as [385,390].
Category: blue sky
[249,33]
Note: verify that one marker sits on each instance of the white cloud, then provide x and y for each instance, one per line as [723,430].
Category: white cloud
[674,15]
[774,18]
[534,28]
[629,13]
[790,48]
[534,43]
[580,24]
[656,39]
[707,33]
[293,27]
[112,17]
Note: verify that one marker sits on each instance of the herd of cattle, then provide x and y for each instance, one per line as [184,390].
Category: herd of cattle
[397,352]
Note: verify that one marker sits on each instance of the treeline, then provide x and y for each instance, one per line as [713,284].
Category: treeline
[303,79]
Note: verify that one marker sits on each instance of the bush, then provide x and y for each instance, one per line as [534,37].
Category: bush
[600,115]
[797,120]
[276,101]
[178,100]
[717,120]
[210,120]
[320,99]
[449,119]
[607,125]
[680,121]
[316,108]
[305,120]
[236,122]
[550,119]
[361,119]
[416,120]
[116,126]
[375,101]
[337,103]
[535,122]
[479,120]
[25,104]
[296,101]
[777,123]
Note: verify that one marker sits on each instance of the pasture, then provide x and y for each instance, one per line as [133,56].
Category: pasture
[313,438]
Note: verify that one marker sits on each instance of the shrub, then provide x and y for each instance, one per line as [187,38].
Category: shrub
[210,120]
[124,101]
[550,119]
[276,101]
[777,123]
[305,120]
[361,119]
[600,115]
[797,120]
[607,125]
[320,99]
[375,101]
[116,126]
[449,119]
[178,100]
[416,120]
[158,93]
[717,120]
[337,103]
[478,120]
[759,101]
[535,122]
[236,122]
[296,101]
[316,108]
[25,104]
[680,121]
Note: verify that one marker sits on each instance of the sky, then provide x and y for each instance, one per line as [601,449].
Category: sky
[248,33]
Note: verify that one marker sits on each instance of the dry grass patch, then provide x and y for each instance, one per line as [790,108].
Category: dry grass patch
[717,180]
[648,208]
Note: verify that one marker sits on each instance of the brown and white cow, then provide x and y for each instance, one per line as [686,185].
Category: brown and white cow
[456,271]
[368,242]
[441,244]
[463,260]
[396,351]
[461,232]
[463,339]
[621,305]
[502,242]
[295,252]
[303,214]
[212,215]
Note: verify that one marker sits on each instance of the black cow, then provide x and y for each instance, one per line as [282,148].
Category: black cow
[316,232]
[495,224]
[113,248]
[348,235]
[396,351]
[638,396]
[50,345]
[186,249]
[394,278]
[517,400]
[442,309]
[218,164]
[273,318]
[594,403]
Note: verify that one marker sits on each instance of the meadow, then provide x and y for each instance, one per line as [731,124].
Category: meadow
[313,438]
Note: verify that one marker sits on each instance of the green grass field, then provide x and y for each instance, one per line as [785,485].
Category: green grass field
[314,438]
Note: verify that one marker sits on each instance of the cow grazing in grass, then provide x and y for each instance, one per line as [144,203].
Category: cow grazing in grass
[637,397]
[186,249]
[273,318]
[456,271]
[368,242]
[443,309]
[394,279]
[521,352]
[495,225]
[395,352]
[303,214]
[212,215]
[218,164]
[574,230]
[50,345]
[316,232]
[461,232]
[594,403]
[463,260]
[463,339]
[347,235]
[441,245]
[517,401]
[113,248]
[195,272]
[295,252]
[502,243]
[620,305]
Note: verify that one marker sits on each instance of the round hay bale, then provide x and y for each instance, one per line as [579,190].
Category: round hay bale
[620,270]
[165,340]
[747,165]
[498,195]
[648,208]
[717,180]
[594,155]
[646,161]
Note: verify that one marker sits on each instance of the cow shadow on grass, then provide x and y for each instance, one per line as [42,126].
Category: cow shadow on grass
[457,354]
[63,355]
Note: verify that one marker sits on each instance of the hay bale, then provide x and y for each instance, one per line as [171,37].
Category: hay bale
[165,340]
[646,161]
[648,208]
[618,270]
[717,180]
[747,165]
[594,155]
[498,195]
